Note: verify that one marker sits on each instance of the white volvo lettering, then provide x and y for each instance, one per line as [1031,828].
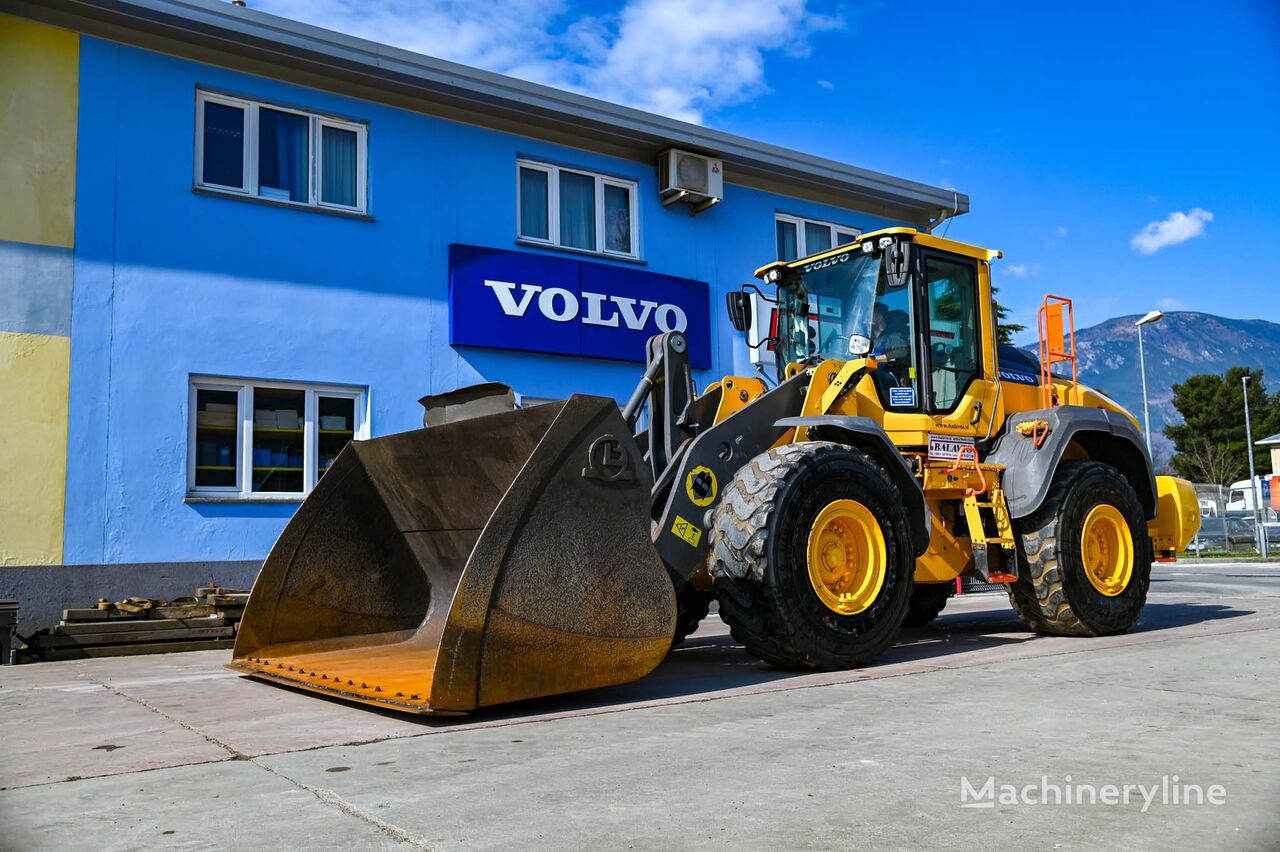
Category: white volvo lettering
[561,305]
[510,307]
[628,309]
[670,318]
[547,304]
[595,316]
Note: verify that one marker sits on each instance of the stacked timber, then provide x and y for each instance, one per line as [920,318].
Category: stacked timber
[202,622]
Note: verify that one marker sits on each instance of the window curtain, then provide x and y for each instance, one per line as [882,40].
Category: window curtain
[533,204]
[224,145]
[816,238]
[787,249]
[577,211]
[617,219]
[282,155]
[338,171]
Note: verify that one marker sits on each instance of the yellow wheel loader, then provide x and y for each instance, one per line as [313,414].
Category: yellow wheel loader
[501,554]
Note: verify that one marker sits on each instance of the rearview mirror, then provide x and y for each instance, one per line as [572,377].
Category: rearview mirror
[739,305]
[897,263]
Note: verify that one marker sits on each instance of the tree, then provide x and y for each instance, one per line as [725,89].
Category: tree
[1212,463]
[1212,409]
[1005,331]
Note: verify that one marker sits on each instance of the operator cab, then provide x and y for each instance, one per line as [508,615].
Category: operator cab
[913,307]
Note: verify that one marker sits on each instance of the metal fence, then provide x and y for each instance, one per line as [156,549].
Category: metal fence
[1232,535]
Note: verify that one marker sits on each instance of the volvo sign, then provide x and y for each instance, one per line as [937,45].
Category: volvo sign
[537,303]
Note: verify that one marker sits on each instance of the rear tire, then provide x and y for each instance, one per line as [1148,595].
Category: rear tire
[692,605]
[927,602]
[760,557]
[1054,593]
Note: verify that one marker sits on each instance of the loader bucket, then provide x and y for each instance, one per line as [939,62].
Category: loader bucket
[474,563]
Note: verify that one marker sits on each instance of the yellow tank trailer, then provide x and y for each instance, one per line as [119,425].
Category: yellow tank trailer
[508,554]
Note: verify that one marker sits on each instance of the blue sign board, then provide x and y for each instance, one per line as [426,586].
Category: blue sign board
[902,396]
[536,303]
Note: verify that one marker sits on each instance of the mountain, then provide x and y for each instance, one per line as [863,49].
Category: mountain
[1181,345]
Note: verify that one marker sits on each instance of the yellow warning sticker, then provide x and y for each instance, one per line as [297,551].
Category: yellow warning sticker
[686,531]
[701,486]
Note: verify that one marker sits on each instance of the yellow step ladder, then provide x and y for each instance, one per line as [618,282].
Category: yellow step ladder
[998,509]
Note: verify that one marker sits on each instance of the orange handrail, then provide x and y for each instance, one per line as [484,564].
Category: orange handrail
[1053,346]
[982,479]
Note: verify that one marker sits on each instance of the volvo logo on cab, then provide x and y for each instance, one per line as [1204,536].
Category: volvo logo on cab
[560,305]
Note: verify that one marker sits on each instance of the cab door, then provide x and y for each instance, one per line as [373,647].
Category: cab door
[958,383]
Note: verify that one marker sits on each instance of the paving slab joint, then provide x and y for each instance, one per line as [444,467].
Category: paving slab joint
[142,702]
[333,800]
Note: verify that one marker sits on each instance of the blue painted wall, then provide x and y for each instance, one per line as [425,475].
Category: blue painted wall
[170,283]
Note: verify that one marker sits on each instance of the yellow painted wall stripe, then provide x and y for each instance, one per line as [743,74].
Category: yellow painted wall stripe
[34,383]
[39,86]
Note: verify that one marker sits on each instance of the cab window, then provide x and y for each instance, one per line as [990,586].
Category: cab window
[952,302]
[892,336]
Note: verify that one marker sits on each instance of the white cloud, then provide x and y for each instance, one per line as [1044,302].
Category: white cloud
[1171,303]
[1177,228]
[1022,270]
[1060,231]
[667,56]
[826,84]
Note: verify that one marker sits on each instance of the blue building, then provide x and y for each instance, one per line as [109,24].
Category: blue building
[237,242]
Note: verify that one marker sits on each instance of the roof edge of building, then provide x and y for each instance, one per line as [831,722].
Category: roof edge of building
[216,25]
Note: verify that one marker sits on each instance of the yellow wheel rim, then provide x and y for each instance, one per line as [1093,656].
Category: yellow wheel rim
[1106,548]
[847,557]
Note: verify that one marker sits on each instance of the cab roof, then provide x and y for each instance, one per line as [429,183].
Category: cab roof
[918,237]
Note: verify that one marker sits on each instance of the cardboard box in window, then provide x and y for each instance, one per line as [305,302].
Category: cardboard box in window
[335,422]
[220,406]
[216,418]
[287,418]
[264,418]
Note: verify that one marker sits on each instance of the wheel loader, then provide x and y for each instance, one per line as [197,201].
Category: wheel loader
[500,554]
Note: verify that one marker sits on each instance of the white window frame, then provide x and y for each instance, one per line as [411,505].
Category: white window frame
[244,390]
[553,213]
[316,121]
[800,222]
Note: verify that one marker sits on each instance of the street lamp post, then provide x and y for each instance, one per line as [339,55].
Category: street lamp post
[1153,316]
[1259,531]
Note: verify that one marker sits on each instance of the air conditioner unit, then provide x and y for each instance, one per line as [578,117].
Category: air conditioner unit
[694,179]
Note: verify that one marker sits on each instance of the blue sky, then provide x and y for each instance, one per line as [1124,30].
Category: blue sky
[1126,155]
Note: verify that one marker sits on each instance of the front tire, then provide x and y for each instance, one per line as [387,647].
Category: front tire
[1084,558]
[812,557]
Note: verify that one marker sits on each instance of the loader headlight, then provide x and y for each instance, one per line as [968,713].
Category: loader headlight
[885,242]
[859,344]
[772,276]
[868,247]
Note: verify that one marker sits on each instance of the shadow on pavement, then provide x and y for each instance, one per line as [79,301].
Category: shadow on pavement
[711,663]
[1161,616]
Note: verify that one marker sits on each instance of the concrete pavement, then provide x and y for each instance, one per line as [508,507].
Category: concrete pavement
[713,751]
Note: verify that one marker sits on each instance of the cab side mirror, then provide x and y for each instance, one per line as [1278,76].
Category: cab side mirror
[739,305]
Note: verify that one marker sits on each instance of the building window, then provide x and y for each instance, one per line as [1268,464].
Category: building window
[802,237]
[267,439]
[255,149]
[578,210]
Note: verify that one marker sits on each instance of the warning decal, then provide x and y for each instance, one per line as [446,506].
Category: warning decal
[686,531]
[701,486]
